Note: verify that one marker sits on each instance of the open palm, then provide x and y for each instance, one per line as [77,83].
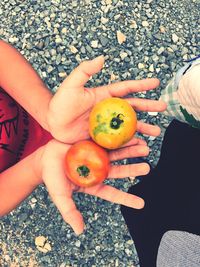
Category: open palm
[61,189]
[70,107]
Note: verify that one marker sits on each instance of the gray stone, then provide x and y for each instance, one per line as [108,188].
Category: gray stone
[104,40]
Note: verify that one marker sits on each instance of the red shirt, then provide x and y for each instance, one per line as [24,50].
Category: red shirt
[20,134]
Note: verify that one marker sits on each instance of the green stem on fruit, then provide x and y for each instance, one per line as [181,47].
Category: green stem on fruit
[83,171]
[116,121]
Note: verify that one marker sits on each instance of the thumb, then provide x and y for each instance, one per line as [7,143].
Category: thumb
[80,75]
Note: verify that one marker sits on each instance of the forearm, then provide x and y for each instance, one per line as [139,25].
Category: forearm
[19,181]
[21,81]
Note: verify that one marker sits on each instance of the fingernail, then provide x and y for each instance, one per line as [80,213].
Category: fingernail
[140,203]
[145,150]
[146,169]
[98,58]
[79,231]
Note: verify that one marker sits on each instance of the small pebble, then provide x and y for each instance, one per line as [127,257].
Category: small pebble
[94,44]
[151,68]
[42,244]
[145,23]
[161,50]
[133,24]
[73,49]
[141,66]
[104,40]
[121,38]
[175,38]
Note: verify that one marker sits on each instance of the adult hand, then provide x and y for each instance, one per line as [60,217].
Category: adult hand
[70,107]
[61,188]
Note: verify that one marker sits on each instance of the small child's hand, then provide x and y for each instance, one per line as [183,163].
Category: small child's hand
[61,189]
[70,107]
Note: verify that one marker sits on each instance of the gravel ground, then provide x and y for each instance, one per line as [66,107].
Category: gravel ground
[55,35]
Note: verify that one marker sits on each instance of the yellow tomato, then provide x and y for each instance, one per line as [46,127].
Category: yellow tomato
[112,122]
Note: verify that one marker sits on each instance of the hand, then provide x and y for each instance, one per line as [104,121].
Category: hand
[70,107]
[61,189]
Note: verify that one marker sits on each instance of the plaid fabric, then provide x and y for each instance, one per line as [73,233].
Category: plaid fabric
[181,99]
[179,249]
[169,95]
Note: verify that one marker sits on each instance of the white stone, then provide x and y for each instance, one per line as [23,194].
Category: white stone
[78,243]
[175,38]
[123,55]
[133,24]
[141,66]
[170,49]
[152,113]
[155,58]
[7,257]
[73,49]
[58,40]
[162,29]
[40,241]
[160,50]
[62,74]
[130,242]
[151,68]
[104,20]
[116,17]
[33,200]
[94,43]
[13,40]
[145,23]
[46,20]
[157,70]
[42,244]
[64,30]
[108,2]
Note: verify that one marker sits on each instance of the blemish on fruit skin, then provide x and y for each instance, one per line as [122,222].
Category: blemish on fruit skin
[98,117]
[100,128]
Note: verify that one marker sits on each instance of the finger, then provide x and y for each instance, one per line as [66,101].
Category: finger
[70,213]
[148,129]
[80,75]
[114,195]
[129,152]
[147,105]
[129,170]
[124,88]
[135,141]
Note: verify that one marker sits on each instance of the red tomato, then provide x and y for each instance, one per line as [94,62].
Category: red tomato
[87,164]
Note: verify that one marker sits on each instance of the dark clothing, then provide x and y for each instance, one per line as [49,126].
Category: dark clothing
[171,192]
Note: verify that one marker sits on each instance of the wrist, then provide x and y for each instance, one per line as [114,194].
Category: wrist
[37,165]
[44,110]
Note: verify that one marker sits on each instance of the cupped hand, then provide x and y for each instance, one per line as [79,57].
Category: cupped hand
[70,107]
[61,189]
